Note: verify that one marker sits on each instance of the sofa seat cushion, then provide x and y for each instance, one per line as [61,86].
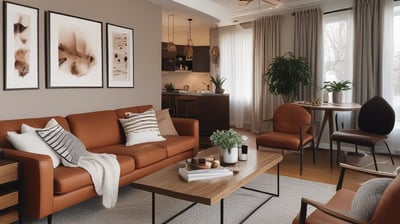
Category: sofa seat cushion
[144,154]
[177,144]
[68,179]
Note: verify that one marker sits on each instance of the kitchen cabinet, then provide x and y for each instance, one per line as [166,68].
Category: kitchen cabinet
[176,61]
[211,110]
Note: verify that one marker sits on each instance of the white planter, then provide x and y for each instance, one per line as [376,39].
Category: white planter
[337,97]
[227,157]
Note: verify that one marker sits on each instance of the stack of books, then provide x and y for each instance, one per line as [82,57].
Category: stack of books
[202,174]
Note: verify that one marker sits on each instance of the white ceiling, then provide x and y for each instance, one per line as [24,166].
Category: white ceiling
[210,13]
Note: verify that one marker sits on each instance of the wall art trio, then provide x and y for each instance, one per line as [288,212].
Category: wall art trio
[74,54]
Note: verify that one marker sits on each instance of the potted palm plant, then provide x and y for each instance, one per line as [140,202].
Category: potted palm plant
[336,88]
[228,141]
[286,73]
[218,82]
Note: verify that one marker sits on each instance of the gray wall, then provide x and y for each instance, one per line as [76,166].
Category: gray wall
[144,17]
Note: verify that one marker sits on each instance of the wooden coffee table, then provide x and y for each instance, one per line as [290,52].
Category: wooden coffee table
[167,181]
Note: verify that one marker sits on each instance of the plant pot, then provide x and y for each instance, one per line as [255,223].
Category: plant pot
[337,97]
[219,91]
[229,157]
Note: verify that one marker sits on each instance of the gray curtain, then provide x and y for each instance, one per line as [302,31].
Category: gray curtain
[266,47]
[308,44]
[368,28]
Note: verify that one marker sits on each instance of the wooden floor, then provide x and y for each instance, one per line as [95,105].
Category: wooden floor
[321,171]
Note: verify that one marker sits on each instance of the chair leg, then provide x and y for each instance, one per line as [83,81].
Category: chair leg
[331,153]
[301,160]
[390,153]
[373,156]
[313,150]
[337,152]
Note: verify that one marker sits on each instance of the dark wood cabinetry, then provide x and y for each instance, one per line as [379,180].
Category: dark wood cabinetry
[176,61]
[212,111]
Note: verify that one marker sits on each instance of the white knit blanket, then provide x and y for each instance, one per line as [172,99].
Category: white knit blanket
[104,170]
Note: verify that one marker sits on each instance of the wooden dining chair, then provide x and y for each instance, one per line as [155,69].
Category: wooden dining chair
[291,130]
[375,121]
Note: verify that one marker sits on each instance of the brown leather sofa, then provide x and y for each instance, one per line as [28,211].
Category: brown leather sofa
[46,190]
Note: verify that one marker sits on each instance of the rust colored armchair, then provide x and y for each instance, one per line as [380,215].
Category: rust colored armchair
[378,199]
[375,121]
[291,130]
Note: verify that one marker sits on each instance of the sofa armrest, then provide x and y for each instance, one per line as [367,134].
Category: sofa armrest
[187,127]
[37,180]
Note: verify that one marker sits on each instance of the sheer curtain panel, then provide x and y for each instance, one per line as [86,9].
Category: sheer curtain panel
[236,60]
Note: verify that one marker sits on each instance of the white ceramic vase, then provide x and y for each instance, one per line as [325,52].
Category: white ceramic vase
[229,156]
[337,97]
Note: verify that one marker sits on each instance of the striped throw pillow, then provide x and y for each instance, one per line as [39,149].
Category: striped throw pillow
[141,128]
[65,144]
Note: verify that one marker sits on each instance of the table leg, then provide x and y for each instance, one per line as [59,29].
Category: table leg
[222,211]
[153,208]
[321,129]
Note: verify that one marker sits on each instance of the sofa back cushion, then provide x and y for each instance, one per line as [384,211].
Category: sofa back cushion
[96,129]
[15,125]
[137,109]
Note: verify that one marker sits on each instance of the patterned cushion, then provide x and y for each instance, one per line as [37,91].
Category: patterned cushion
[65,144]
[367,197]
[141,128]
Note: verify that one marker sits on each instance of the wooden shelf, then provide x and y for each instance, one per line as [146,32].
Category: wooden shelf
[9,191]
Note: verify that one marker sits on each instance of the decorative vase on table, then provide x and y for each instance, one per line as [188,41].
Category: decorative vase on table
[228,142]
[337,97]
[229,156]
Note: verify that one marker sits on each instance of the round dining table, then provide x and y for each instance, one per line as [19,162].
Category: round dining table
[329,110]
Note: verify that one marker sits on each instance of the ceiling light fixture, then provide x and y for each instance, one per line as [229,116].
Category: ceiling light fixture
[189,47]
[271,2]
[171,45]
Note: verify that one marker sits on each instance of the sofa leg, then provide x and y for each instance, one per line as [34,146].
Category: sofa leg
[49,219]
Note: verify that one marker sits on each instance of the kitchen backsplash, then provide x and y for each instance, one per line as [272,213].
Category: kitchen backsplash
[195,80]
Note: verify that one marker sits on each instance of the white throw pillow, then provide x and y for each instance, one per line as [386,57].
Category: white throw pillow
[141,128]
[31,142]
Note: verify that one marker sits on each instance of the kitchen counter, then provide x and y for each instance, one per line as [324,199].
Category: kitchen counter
[210,109]
[194,93]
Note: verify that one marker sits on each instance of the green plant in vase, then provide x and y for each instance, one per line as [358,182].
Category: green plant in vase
[285,74]
[336,88]
[169,87]
[226,139]
[218,82]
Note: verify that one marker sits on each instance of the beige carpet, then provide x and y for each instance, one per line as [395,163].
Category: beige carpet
[134,206]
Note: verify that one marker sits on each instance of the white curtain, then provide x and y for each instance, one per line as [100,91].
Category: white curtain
[236,60]
[391,67]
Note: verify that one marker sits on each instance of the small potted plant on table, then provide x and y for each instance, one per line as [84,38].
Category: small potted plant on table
[228,141]
[337,89]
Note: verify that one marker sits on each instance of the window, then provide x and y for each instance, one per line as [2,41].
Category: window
[396,62]
[338,49]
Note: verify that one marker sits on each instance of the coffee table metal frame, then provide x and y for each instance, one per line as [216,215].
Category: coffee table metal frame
[270,195]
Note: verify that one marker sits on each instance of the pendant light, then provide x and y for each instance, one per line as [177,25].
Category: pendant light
[171,45]
[189,47]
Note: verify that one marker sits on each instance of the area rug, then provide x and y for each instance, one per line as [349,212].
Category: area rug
[134,206]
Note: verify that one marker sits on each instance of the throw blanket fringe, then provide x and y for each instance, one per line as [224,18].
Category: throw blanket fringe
[104,170]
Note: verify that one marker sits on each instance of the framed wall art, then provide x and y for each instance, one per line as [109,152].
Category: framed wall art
[74,51]
[20,36]
[120,51]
